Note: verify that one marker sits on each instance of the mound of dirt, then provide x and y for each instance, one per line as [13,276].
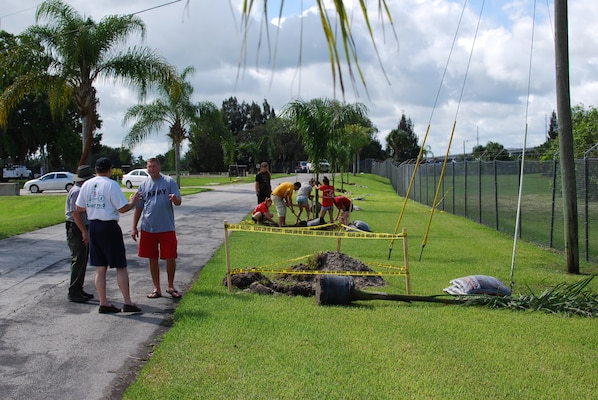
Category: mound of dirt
[303,285]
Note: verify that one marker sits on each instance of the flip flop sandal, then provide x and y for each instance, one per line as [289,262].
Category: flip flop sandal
[174,293]
[154,295]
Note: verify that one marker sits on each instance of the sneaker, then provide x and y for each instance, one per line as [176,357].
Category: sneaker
[131,308]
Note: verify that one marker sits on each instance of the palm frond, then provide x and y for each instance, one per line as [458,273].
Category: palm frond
[344,39]
[564,299]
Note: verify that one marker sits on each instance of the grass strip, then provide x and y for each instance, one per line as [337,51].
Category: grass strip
[237,345]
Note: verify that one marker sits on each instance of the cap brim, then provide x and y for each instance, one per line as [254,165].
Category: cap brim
[79,179]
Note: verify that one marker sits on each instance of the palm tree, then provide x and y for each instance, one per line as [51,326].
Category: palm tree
[315,122]
[174,107]
[355,137]
[80,51]
[321,123]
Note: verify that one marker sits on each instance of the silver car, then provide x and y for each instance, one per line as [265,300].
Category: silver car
[135,177]
[50,181]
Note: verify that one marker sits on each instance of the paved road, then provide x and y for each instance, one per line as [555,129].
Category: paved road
[51,348]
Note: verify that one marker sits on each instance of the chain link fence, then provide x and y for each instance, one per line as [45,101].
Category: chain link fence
[487,192]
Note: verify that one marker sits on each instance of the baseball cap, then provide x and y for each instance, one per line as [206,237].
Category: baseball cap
[103,164]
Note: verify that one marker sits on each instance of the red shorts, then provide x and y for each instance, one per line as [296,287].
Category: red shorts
[157,245]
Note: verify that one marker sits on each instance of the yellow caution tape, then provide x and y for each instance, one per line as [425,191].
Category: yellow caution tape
[317,272]
[313,231]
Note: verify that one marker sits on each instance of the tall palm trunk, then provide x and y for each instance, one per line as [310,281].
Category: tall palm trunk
[177,162]
[85,101]
[177,134]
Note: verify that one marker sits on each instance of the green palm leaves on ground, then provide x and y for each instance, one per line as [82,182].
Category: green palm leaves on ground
[564,299]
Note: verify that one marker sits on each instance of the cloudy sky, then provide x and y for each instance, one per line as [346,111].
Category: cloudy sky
[482,85]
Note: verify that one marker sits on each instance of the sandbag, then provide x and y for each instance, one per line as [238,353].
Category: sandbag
[360,225]
[478,284]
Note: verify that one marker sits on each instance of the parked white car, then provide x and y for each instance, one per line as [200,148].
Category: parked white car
[50,181]
[134,177]
[324,167]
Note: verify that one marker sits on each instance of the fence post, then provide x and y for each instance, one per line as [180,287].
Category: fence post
[465,187]
[480,190]
[553,196]
[496,193]
[453,186]
[586,184]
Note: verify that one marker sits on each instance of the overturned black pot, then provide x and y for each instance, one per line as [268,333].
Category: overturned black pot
[340,290]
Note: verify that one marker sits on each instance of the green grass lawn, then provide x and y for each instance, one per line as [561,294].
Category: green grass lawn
[26,213]
[237,345]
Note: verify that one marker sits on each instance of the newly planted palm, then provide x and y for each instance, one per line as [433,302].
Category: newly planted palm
[79,52]
[173,108]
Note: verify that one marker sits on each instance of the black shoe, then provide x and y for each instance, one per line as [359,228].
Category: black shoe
[108,309]
[131,308]
[85,294]
[78,298]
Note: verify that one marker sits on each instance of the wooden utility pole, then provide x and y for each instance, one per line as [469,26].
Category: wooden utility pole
[563,105]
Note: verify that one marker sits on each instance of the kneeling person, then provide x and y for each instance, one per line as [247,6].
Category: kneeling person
[262,212]
[345,206]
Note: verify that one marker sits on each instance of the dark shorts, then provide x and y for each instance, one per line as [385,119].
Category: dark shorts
[349,208]
[106,246]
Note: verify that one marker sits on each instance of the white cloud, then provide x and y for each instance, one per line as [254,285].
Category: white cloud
[208,36]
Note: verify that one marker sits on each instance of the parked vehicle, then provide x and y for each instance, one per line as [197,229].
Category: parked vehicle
[135,177]
[324,167]
[16,171]
[50,181]
[301,167]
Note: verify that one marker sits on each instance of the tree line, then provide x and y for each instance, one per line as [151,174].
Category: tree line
[48,102]
[48,113]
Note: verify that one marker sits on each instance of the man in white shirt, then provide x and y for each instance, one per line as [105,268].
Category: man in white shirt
[103,200]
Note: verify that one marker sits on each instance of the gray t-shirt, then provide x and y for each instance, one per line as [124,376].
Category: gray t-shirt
[304,190]
[70,205]
[158,214]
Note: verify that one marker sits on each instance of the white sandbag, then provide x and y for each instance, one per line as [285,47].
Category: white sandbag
[360,225]
[478,284]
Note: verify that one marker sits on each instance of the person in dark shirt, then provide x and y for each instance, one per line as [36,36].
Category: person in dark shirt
[263,187]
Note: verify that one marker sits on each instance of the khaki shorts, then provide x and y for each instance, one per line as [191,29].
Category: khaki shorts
[281,207]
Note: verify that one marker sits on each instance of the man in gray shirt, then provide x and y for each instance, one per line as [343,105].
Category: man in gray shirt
[157,238]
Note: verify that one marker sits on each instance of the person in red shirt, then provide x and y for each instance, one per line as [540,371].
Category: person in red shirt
[262,212]
[327,199]
[345,206]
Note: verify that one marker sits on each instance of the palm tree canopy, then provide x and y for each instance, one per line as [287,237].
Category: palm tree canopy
[173,107]
[78,51]
[83,50]
[321,122]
